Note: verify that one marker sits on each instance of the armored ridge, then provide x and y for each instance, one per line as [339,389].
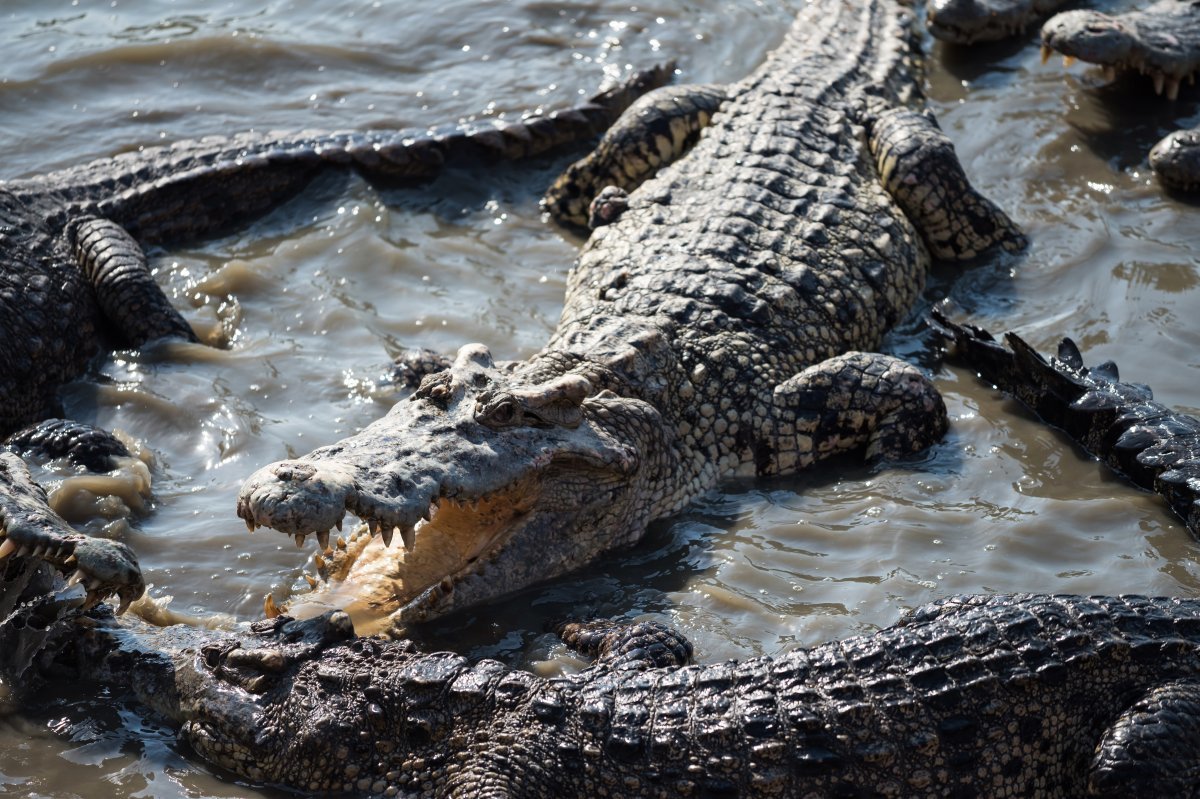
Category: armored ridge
[713,327]
[999,696]
[73,276]
[1119,423]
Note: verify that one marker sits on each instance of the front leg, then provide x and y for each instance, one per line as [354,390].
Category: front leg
[859,401]
[919,168]
[656,130]
[29,528]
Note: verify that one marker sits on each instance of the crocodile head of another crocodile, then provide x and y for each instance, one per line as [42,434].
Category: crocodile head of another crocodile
[970,21]
[491,483]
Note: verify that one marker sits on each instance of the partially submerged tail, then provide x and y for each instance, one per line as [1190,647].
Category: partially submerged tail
[1120,423]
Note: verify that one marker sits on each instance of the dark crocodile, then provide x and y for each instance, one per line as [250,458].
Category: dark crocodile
[1161,42]
[713,328]
[1000,696]
[1120,423]
[973,21]
[74,278]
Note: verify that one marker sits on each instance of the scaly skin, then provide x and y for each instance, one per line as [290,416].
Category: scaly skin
[1163,42]
[1119,423]
[971,21]
[1002,696]
[71,263]
[713,328]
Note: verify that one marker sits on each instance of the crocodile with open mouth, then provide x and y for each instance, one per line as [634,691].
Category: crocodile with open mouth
[74,278]
[713,327]
[1162,42]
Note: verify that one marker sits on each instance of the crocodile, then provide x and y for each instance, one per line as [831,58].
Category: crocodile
[973,21]
[983,696]
[1120,423]
[74,278]
[720,324]
[1162,42]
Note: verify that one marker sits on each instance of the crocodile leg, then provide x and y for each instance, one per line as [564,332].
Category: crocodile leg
[125,289]
[919,168]
[30,529]
[617,645]
[856,401]
[653,132]
[1150,750]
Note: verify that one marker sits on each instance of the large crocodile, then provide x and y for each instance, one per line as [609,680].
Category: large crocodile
[1162,42]
[1000,696]
[74,278]
[712,328]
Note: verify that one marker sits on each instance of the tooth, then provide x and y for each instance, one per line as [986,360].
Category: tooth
[250,525]
[386,534]
[427,513]
[1172,88]
[1068,61]
[312,583]
[299,539]
[323,539]
[1046,51]
[124,606]
[409,536]
[338,523]
[76,578]
[1110,74]
[270,609]
[7,548]
[1159,79]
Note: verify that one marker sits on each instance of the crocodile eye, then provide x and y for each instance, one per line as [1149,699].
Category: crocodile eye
[505,413]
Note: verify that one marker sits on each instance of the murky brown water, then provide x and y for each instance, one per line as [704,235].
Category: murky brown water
[324,291]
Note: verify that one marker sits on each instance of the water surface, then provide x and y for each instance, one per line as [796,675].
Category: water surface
[317,298]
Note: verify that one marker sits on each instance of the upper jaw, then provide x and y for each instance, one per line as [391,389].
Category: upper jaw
[971,21]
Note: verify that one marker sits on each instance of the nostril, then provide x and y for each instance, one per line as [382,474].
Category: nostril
[295,472]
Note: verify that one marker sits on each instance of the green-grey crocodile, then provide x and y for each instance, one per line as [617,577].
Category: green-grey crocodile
[74,278]
[1162,42]
[714,327]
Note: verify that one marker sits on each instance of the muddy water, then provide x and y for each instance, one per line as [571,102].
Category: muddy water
[322,293]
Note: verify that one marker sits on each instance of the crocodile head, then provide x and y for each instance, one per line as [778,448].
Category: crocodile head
[491,483]
[308,706]
[970,21]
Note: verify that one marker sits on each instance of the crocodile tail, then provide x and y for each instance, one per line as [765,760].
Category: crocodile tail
[1120,423]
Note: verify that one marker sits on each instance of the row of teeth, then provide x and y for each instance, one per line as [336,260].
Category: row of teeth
[59,554]
[408,533]
[1162,81]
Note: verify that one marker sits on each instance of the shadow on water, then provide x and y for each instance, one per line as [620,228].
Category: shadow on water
[1120,121]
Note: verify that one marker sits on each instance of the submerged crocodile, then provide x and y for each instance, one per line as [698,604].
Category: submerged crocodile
[1152,445]
[74,278]
[1162,42]
[997,696]
[712,328]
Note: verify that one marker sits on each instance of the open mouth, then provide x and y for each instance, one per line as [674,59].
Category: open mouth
[371,581]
